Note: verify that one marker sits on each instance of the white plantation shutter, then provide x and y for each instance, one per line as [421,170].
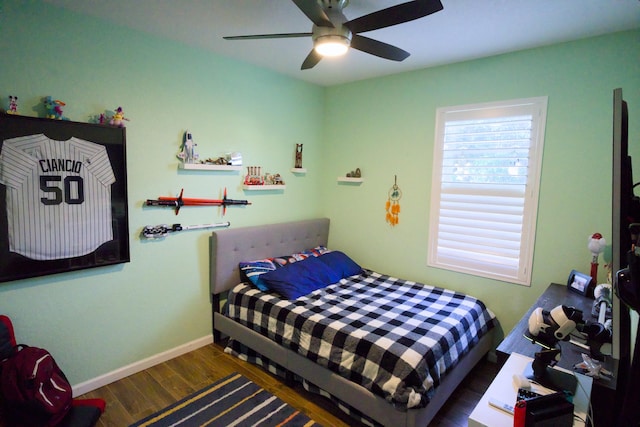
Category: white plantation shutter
[486,173]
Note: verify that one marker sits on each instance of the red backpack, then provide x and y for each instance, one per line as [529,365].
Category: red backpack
[34,390]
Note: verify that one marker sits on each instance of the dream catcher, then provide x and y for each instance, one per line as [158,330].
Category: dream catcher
[393,205]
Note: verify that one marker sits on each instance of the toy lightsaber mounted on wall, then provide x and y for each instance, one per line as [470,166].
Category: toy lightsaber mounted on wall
[178,202]
[158,231]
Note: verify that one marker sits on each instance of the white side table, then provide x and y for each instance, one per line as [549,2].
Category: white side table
[503,389]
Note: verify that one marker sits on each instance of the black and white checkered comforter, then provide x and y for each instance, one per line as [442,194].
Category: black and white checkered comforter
[396,338]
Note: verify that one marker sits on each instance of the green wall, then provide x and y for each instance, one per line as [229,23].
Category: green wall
[386,127]
[102,319]
[99,320]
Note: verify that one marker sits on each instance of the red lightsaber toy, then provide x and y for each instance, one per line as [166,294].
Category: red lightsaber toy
[178,202]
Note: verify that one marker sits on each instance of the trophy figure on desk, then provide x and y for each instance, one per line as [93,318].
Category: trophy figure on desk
[596,245]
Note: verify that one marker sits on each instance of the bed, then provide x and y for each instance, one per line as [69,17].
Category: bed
[362,397]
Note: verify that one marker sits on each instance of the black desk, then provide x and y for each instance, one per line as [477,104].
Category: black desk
[603,392]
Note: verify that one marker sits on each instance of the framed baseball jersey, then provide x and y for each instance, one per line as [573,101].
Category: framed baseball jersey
[63,196]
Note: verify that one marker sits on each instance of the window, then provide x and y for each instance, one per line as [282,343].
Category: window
[486,173]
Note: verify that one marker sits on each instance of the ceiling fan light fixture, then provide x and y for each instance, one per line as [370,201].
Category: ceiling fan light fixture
[332,45]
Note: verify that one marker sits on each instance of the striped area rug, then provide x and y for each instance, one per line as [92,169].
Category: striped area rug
[231,401]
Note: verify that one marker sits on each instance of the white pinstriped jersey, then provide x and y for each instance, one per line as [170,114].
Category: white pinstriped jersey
[58,196]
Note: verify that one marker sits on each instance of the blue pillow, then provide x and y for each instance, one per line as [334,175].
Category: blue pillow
[341,264]
[251,270]
[300,278]
[254,269]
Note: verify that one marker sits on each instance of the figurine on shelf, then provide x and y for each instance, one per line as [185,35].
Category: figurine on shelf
[188,149]
[273,179]
[298,163]
[222,161]
[229,159]
[53,108]
[355,174]
[277,179]
[118,118]
[13,105]
[254,176]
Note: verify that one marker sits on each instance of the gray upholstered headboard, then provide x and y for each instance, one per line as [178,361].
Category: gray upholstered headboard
[230,246]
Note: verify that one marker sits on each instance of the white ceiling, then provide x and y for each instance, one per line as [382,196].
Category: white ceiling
[465,29]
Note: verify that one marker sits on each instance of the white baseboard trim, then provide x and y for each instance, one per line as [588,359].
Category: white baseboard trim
[141,365]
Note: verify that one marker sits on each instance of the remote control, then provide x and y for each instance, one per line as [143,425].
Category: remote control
[501,405]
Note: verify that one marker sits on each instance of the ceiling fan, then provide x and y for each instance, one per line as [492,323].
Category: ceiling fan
[333,33]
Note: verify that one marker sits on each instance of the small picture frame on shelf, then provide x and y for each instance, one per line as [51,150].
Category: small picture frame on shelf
[579,282]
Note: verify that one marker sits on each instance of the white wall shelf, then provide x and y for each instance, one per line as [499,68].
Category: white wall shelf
[206,167]
[263,187]
[349,179]
[299,170]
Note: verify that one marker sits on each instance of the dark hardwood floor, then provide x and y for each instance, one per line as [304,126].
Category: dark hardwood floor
[146,392]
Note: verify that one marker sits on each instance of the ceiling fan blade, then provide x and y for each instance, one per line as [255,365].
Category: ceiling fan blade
[268,36]
[394,15]
[314,12]
[311,60]
[377,48]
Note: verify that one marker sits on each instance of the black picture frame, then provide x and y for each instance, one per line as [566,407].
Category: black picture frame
[103,251]
[580,283]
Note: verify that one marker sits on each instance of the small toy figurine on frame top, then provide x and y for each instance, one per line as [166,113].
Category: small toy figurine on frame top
[53,108]
[13,105]
[118,118]
[298,163]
